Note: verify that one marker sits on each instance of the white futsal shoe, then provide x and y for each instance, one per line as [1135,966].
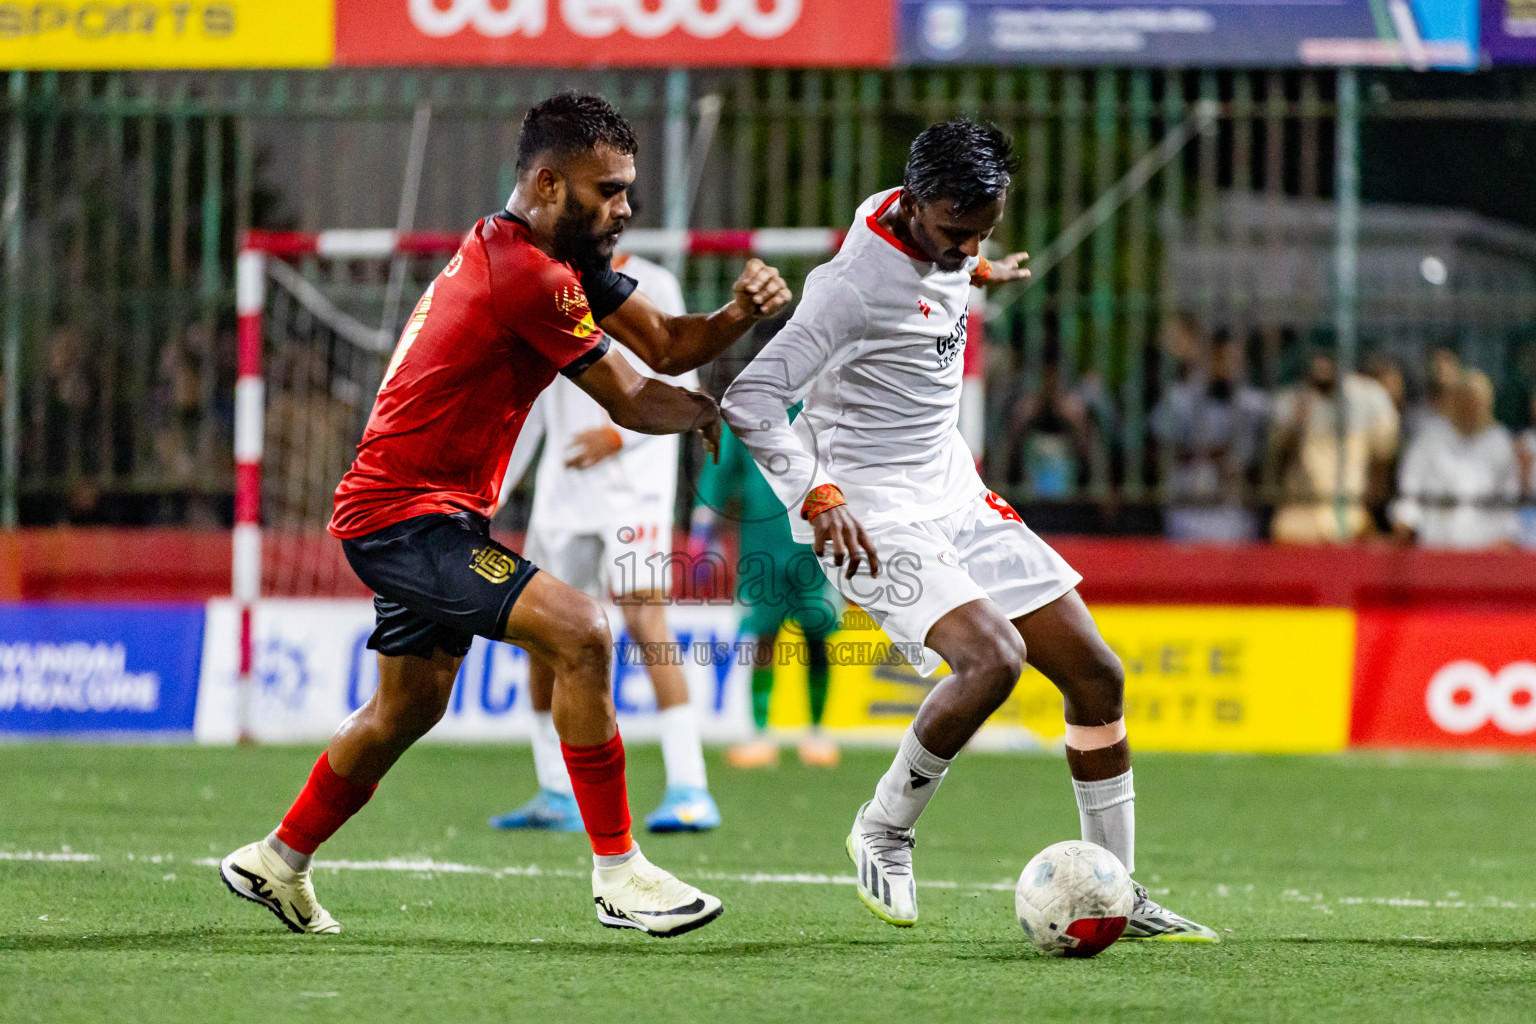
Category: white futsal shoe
[637,894]
[1152,922]
[258,874]
[883,857]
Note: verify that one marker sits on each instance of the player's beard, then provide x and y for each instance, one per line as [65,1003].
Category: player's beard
[577,241]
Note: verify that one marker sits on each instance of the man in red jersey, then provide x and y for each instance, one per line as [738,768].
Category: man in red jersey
[520,302]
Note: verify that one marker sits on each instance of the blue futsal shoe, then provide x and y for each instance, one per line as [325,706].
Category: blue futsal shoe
[684,809]
[549,811]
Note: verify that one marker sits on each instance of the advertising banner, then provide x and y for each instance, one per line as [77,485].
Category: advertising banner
[1446,679]
[153,34]
[1285,33]
[1509,31]
[588,33]
[1268,680]
[81,669]
[313,669]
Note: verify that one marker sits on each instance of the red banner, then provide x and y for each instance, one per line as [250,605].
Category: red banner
[1445,679]
[586,33]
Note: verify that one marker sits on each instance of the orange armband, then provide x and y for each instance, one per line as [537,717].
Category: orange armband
[983,272]
[820,499]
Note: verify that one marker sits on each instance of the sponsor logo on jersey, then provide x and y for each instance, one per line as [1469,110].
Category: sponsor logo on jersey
[923,305]
[597,19]
[1001,507]
[949,347]
[454,264]
[493,564]
[573,303]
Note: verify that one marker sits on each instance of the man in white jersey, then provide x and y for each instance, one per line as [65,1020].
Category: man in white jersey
[877,467]
[602,517]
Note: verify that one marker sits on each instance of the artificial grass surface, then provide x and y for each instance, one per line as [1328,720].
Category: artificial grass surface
[1359,888]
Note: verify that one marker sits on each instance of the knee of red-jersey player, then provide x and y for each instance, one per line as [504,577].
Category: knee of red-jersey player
[581,649]
[413,694]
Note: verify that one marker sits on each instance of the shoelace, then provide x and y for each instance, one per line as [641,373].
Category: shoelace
[885,844]
[1145,905]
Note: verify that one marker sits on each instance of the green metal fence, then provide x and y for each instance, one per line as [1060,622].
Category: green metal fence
[127,192]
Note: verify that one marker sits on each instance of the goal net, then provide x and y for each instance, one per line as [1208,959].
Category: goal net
[319,315]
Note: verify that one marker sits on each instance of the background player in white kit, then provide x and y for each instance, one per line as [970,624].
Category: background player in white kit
[603,503]
[879,471]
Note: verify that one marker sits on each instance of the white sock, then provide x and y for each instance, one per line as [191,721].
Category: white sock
[905,789]
[548,762]
[681,749]
[615,860]
[1107,810]
[293,858]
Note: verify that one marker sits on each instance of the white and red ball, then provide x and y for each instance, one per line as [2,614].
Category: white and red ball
[1073,899]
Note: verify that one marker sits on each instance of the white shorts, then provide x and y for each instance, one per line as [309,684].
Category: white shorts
[929,569]
[625,558]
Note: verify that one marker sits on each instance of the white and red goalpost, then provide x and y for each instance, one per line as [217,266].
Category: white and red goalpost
[321,415]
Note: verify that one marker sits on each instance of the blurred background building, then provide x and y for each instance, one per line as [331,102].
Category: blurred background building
[1146,383]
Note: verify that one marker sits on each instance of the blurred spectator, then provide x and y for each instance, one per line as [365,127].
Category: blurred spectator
[1382,482]
[1051,436]
[1328,437]
[1525,452]
[1384,370]
[1182,340]
[1434,412]
[1525,455]
[1458,486]
[69,399]
[1213,423]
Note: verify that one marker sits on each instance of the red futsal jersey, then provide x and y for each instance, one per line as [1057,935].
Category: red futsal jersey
[489,334]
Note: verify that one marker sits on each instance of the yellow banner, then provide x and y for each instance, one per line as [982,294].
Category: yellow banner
[93,34]
[1262,680]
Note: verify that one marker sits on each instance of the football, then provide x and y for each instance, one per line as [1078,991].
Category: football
[1073,898]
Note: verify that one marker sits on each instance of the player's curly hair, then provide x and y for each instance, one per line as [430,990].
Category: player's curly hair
[571,123]
[967,162]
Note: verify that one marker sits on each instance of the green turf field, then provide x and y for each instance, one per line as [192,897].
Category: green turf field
[1347,889]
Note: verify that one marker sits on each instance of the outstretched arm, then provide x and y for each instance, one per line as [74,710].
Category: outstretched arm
[829,322]
[989,273]
[647,405]
[675,344]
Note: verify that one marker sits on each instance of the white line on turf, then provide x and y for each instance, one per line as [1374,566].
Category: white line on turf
[428,866]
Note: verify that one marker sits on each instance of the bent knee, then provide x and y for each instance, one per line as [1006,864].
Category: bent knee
[1097,695]
[412,708]
[582,649]
[995,663]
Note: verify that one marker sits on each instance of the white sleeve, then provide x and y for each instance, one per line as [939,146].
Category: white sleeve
[822,335]
[524,449]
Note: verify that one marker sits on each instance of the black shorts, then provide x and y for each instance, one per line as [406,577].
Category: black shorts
[438,581]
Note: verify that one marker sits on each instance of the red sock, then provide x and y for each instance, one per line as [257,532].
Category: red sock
[324,805]
[597,777]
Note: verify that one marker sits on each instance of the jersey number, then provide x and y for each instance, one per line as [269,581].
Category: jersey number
[408,336]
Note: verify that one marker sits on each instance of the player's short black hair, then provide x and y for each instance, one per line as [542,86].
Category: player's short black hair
[571,123]
[966,162]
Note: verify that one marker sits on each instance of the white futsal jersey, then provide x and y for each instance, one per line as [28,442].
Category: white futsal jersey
[875,351]
[629,495]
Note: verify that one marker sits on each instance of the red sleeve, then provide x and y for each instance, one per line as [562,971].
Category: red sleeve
[549,311]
